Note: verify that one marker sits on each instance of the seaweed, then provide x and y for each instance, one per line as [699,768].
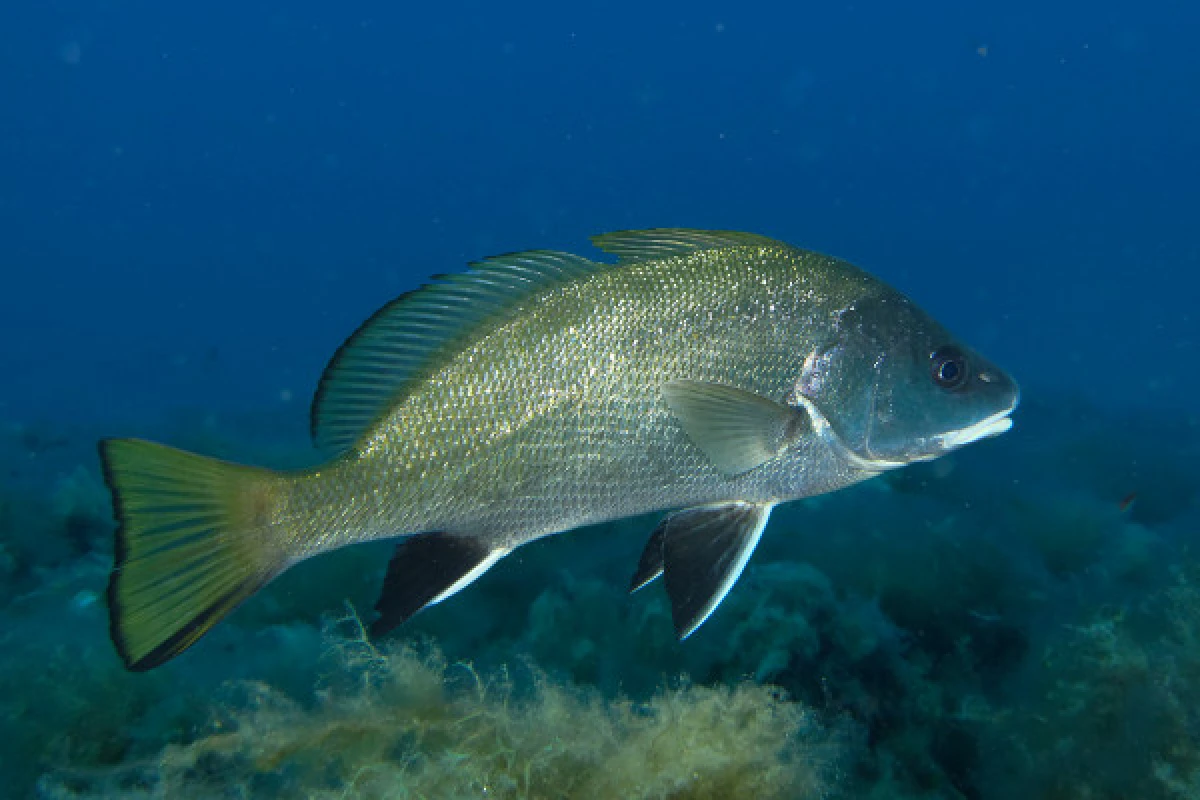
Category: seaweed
[1107,708]
[399,721]
[938,633]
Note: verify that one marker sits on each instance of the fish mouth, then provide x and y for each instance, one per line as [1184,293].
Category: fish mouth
[942,443]
[994,425]
[937,445]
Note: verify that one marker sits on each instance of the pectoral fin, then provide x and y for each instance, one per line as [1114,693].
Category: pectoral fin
[701,552]
[736,429]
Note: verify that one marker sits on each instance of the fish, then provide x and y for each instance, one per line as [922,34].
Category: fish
[710,375]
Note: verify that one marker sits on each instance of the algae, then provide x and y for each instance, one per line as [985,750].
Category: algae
[399,721]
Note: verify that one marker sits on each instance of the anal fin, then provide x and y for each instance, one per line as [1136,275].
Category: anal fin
[426,569]
[703,552]
[650,565]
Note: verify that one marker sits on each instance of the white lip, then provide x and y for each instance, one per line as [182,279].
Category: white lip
[994,425]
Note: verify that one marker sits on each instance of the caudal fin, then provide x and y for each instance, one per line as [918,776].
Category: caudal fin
[193,541]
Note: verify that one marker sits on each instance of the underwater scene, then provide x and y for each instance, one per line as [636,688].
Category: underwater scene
[851,349]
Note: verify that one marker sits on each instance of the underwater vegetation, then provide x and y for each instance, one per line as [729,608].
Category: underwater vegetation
[395,722]
[1111,707]
[1005,623]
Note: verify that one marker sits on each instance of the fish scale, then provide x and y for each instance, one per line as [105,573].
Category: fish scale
[716,372]
[556,383]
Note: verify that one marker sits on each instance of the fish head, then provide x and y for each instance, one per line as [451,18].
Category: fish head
[896,387]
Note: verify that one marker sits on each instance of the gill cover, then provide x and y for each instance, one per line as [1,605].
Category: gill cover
[897,387]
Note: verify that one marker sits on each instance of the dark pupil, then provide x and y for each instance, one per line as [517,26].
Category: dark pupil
[949,367]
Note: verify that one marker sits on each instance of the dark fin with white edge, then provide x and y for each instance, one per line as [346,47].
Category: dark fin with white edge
[416,333]
[650,566]
[426,569]
[738,430]
[704,551]
[647,245]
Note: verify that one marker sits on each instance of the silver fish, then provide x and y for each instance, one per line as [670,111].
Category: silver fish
[714,372]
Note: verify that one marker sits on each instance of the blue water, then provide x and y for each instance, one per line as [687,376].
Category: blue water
[198,203]
[238,185]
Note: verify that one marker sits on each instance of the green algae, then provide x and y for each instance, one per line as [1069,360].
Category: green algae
[401,722]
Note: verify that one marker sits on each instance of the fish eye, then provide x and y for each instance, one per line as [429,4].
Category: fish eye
[948,366]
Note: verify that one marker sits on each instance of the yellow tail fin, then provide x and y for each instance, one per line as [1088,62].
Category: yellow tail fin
[193,541]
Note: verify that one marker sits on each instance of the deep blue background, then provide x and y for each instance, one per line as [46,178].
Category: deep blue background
[198,202]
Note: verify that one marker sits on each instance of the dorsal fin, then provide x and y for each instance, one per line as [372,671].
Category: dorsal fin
[410,336]
[630,246]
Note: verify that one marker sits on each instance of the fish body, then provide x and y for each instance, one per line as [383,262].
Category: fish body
[715,372]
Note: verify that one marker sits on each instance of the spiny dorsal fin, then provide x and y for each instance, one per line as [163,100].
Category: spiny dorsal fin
[410,336]
[630,246]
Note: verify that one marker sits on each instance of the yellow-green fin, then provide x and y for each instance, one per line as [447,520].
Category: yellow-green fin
[736,429]
[411,336]
[191,545]
[630,246]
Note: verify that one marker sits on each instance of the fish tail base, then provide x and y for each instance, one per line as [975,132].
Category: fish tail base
[193,541]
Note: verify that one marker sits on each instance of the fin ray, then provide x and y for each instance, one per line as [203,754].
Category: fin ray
[646,245]
[189,546]
[650,565]
[736,429]
[410,336]
[426,569]
[704,552]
